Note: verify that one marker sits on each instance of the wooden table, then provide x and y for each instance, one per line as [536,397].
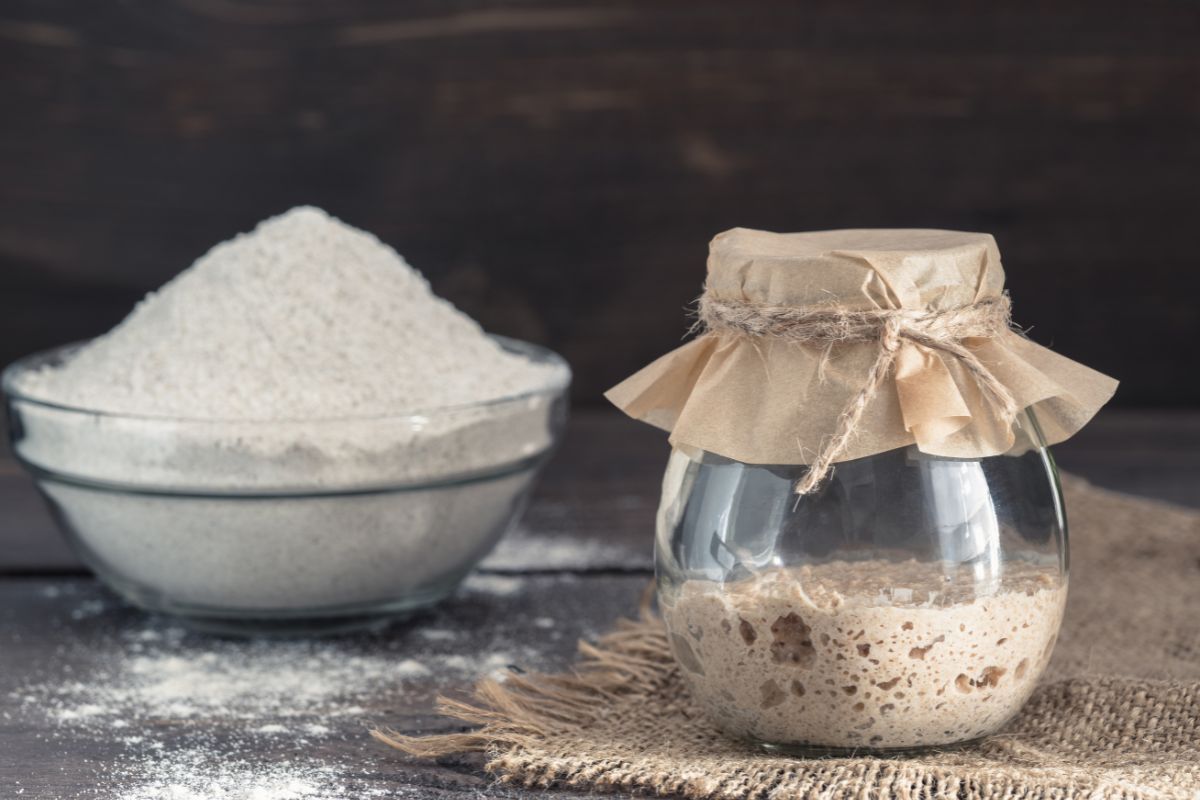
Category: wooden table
[579,560]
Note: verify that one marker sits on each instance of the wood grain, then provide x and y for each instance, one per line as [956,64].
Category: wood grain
[557,169]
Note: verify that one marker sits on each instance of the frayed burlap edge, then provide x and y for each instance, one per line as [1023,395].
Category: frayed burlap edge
[524,711]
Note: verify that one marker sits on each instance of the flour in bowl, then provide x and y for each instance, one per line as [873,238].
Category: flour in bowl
[305,317]
[294,425]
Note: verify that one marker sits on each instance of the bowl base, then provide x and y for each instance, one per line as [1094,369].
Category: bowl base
[283,623]
[285,628]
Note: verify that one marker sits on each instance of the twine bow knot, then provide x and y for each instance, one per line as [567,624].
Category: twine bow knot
[942,331]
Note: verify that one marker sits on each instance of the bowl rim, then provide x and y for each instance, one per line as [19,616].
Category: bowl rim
[533,352]
[529,464]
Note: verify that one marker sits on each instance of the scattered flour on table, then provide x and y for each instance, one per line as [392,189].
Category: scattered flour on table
[155,677]
[494,666]
[521,550]
[235,682]
[186,710]
[203,774]
[411,668]
[497,585]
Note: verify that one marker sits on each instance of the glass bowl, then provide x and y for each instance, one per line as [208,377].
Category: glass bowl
[310,525]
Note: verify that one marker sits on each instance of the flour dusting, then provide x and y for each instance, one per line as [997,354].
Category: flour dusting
[198,718]
[154,677]
[522,551]
[205,774]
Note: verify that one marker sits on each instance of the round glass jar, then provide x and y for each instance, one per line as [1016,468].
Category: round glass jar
[911,601]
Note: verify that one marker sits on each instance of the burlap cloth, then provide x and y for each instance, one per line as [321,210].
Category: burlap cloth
[1116,716]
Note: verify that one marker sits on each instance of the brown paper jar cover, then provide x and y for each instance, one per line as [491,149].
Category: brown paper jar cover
[766,401]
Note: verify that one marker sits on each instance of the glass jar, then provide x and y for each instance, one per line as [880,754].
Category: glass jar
[911,601]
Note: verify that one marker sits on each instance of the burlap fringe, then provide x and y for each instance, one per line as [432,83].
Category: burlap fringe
[525,709]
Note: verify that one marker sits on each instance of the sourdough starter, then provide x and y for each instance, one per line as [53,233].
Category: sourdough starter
[845,655]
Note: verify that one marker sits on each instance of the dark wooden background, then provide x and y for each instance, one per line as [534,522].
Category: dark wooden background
[557,169]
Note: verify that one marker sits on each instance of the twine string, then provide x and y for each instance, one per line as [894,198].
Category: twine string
[942,331]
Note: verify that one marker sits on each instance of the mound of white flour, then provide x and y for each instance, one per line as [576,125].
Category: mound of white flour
[305,317]
[304,354]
